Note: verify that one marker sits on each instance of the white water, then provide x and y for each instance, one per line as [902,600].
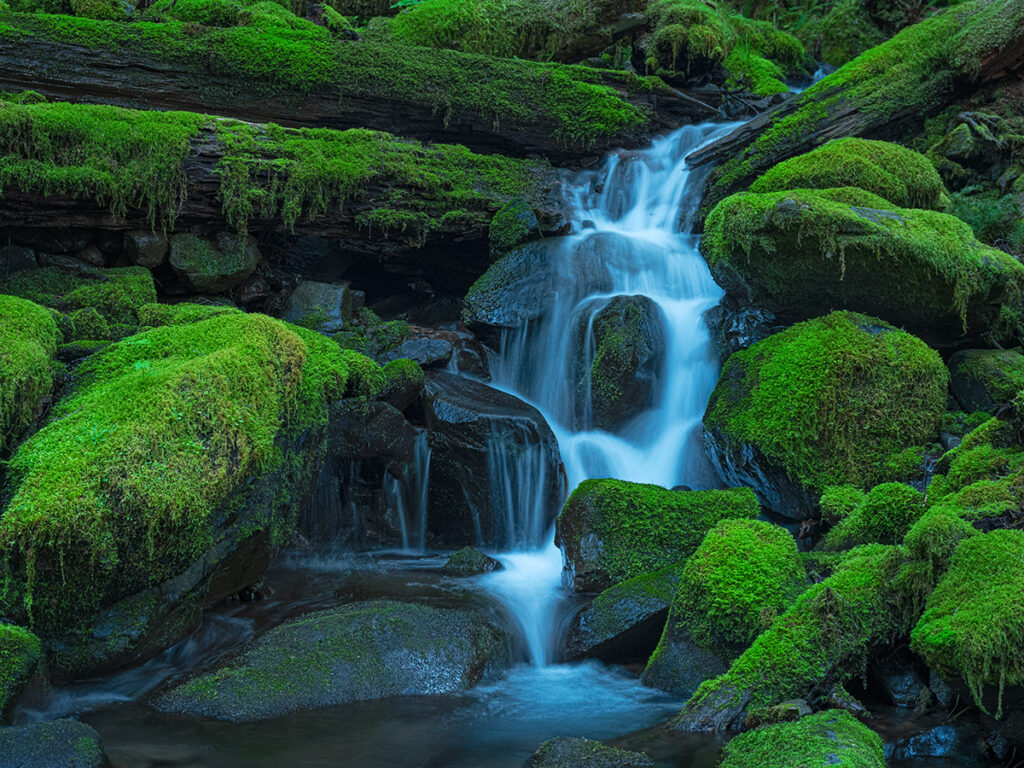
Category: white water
[631,222]
[408,496]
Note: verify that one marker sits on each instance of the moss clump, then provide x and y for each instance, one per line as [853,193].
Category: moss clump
[365,377]
[641,527]
[829,738]
[829,400]
[28,341]
[403,381]
[973,624]
[87,323]
[883,517]
[512,225]
[801,252]
[21,653]
[901,176]
[121,489]
[995,218]
[743,575]
[838,502]
[823,639]
[157,315]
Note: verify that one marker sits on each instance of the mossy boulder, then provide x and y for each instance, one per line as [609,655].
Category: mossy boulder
[613,530]
[743,575]
[565,752]
[470,561]
[883,516]
[629,348]
[21,659]
[361,651]
[973,624]
[403,383]
[802,253]
[213,267]
[157,315]
[829,738]
[167,478]
[28,341]
[825,402]
[900,175]
[983,379]
[324,307]
[513,224]
[51,744]
[813,646]
[623,623]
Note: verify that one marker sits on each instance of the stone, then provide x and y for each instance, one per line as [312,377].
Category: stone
[984,379]
[325,307]
[15,258]
[144,248]
[92,256]
[900,681]
[565,752]
[469,561]
[51,744]
[428,352]
[206,268]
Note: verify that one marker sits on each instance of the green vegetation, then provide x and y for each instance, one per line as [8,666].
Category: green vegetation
[838,502]
[973,625]
[883,517]
[903,177]
[121,489]
[642,527]
[804,251]
[403,381]
[512,225]
[157,315]
[21,655]
[28,341]
[991,377]
[829,400]
[829,738]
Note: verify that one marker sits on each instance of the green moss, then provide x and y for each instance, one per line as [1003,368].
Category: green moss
[960,424]
[156,315]
[973,624]
[804,251]
[823,639]
[121,489]
[829,738]
[934,537]
[512,225]
[883,517]
[847,31]
[28,341]
[365,377]
[829,400]
[901,176]
[645,527]
[998,372]
[401,377]
[88,323]
[21,653]
[743,575]
[616,608]
[838,502]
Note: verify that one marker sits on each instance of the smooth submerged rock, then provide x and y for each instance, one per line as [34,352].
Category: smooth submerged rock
[361,651]
[476,434]
[565,752]
[52,744]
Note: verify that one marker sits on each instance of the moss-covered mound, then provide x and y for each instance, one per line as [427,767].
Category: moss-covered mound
[28,341]
[150,460]
[743,575]
[804,252]
[820,641]
[21,654]
[973,624]
[829,738]
[612,530]
[983,379]
[884,516]
[825,402]
[901,176]
[157,315]
[569,752]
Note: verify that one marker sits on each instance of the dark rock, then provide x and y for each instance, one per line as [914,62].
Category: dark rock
[361,651]
[935,742]
[206,268]
[324,307]
[253,289]
[53,744]
[477,435]
[428,352]
[940,689]
[736,329]
[625,621]
[361,429]
[983,379]
[898,678]
[681,666]
[840,698]
[110,241]
[92,256]
[565,752]
[63,261]
[15,258]
[469,561]
[145,248]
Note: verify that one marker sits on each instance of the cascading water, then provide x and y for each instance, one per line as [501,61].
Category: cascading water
[631,224]
[407,497]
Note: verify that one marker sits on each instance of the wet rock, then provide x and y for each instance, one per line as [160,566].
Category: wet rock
[144,248]
[361,429]
[361,651]
[15,258]
[324,307]
[983,379]
[840,698]
[469,561]
[625,621]
[900,681]
[935,742]
[92,256]
[209,268]
[52,744]
[940,689]
[738,328]
[566,752]
[403,383]
[681,666]
[428,352]
[513,224]
[485,445]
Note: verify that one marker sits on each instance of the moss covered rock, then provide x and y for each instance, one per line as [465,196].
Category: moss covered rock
[157,315]
[28,341]
[206,267]
[825,402]
[743,575]
[815,644]
[565,752]
[804,252]
[21,658]
[900,175]
[623,623]
[181,457]
[613,530]
[973,625]
[361,651]
[403,383]
[829,738]
[983,379]
[469,561]
[64,743]
[883,516]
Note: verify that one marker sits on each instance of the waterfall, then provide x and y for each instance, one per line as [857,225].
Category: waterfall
[407,497]
[631,236]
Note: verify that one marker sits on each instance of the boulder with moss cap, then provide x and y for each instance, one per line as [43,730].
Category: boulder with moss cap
[984,379]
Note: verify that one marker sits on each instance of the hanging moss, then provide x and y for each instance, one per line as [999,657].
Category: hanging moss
[28,341]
